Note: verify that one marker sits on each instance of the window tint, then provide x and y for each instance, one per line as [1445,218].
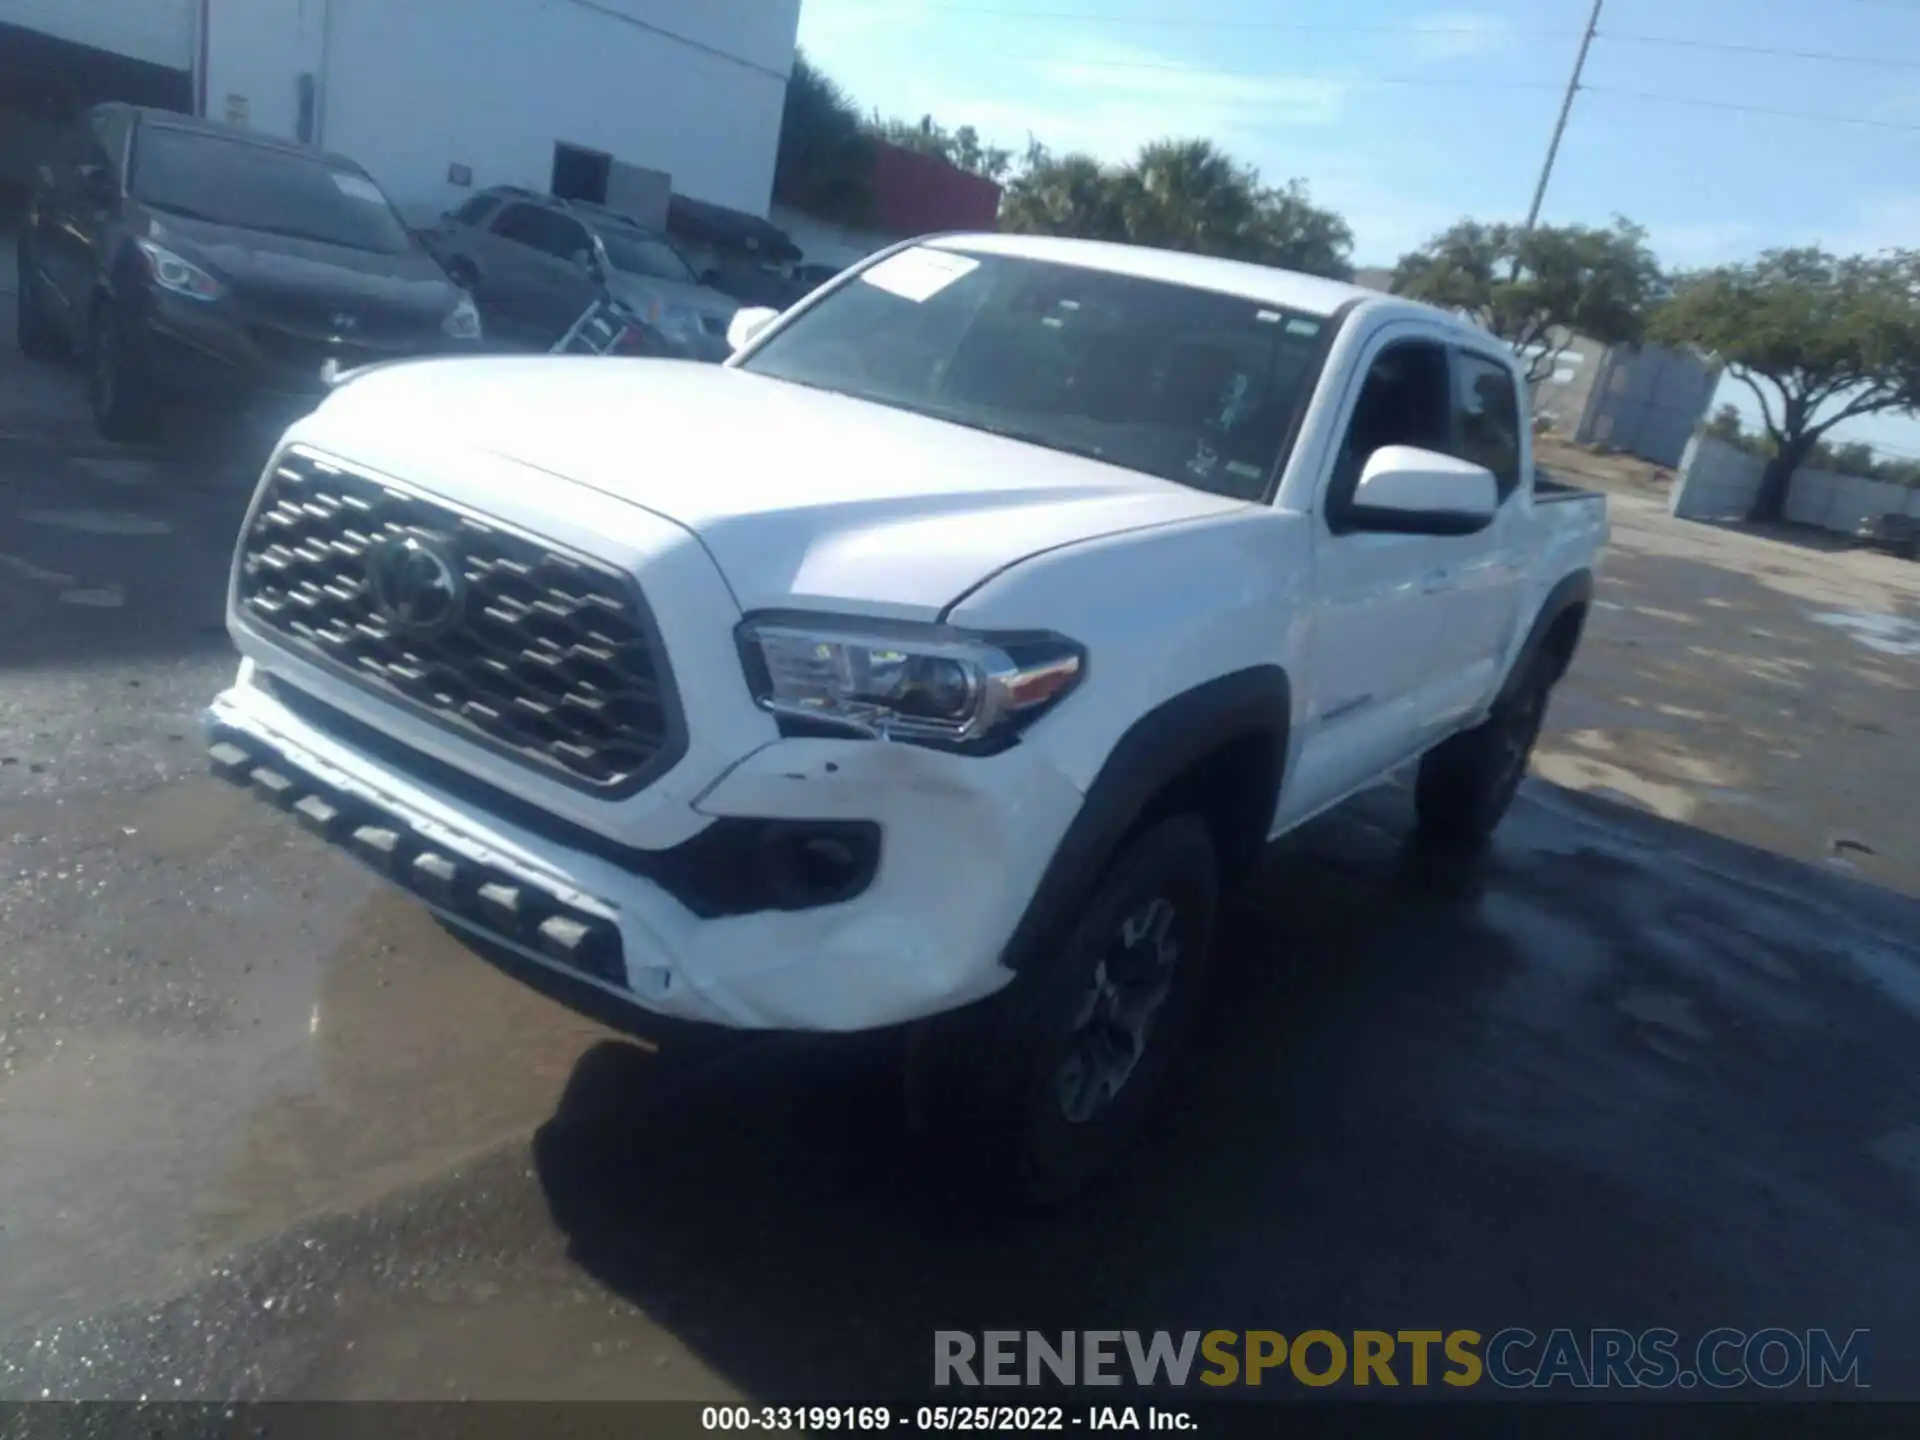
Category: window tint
[1488,418]
[1405,400]
[638,253]
[476,210]
[1192,386]
[544,230]
[263,187]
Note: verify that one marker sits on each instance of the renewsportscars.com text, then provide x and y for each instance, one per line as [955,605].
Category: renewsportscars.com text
[1517,1359]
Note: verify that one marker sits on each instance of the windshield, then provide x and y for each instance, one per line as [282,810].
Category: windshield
[256,187]
[641,254]
[1192,386]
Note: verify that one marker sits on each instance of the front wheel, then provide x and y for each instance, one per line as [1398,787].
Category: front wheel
[1038,1090]
[1467,783]
[119,388]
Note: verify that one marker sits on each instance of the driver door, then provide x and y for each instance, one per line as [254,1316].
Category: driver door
[1371,701]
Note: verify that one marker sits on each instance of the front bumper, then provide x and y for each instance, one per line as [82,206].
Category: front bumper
[201,352]
[965,842]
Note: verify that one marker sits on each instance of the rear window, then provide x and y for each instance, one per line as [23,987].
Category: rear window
[1192,386]
[259,187]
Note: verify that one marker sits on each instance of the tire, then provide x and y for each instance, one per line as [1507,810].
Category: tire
[119,389]
[1034,1093]
[462,273]
[1467,783]
[35,331]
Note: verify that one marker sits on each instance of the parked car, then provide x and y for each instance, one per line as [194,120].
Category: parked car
[934,662]
[808,278]
[535,264]
[1895,534]
[186,258]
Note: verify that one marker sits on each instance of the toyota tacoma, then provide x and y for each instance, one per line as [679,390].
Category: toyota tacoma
[934,663]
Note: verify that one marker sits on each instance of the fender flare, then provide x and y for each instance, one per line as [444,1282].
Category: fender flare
[1154,751]
[1573,590]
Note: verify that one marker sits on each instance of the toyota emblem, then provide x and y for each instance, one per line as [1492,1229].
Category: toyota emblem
[416,581]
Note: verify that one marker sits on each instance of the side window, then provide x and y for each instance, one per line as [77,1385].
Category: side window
[1488,418]
[476,210]
[545,231]
[1406,399]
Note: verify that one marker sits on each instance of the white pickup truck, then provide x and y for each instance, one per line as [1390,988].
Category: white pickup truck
[933,663]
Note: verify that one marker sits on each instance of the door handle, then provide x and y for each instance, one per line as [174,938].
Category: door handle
[1435,580]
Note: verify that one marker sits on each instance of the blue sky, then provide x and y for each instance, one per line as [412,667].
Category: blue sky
[1301,89]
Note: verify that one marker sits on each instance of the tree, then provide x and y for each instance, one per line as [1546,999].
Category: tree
[1179,195]
[1818,338]
[1537,288]
[1726,427]
[961,148]
[1064,195]
[825,161]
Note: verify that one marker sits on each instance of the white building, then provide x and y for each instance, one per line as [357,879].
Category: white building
[437,97]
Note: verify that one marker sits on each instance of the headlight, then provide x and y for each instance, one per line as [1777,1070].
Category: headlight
[464,322]
[172,273]
[891,681]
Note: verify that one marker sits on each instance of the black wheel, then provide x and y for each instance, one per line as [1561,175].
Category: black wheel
[462,273]
[38,338]
[1035,1092]
[121,393]
[1466,783]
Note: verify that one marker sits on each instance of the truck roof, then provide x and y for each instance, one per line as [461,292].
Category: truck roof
[1283,289]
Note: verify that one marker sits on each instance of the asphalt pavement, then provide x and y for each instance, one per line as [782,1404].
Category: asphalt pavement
[267,1131]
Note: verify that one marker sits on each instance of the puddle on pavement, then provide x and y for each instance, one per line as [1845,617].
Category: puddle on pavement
[1886,634]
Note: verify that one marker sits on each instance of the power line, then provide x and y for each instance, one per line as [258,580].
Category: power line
[1190,23]
[1072,63]
[1738,49]
[1696,102]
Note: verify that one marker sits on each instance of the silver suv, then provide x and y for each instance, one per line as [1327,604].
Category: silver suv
[534,264]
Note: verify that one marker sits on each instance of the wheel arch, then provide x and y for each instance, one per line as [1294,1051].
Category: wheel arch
[1219,749]
[1556,630]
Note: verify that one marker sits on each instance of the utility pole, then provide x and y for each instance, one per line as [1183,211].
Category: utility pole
[1560,125]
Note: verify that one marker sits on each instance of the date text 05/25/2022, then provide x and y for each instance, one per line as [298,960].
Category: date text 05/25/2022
[990,1419]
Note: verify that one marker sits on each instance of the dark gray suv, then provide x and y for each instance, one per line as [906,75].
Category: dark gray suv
[534,264]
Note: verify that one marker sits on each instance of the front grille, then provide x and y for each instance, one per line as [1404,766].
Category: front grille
[309,352]
[546,656]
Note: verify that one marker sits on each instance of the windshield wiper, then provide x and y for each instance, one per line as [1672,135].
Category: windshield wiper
[1023,434]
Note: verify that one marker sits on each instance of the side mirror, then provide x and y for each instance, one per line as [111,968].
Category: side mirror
[747,324]
[1409,491]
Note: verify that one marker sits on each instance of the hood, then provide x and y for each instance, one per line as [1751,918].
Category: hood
[299,283]
[802,497]
[640,291]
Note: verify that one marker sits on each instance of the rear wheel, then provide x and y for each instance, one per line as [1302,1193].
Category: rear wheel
[118,385]
[1036,1092]
[1467,783]
[33,327]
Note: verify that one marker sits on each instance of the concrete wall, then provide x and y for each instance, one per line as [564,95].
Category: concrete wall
[1718,481]
[160,32]
[691,88]
[1563,397]
[1648,401]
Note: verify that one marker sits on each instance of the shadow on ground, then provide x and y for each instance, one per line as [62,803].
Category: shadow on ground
[1591,1081]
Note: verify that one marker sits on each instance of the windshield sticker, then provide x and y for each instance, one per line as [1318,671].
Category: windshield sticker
[919,274]
[357,187]
[1303,327]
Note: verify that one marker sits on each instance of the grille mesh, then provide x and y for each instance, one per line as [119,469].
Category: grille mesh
[549,656]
